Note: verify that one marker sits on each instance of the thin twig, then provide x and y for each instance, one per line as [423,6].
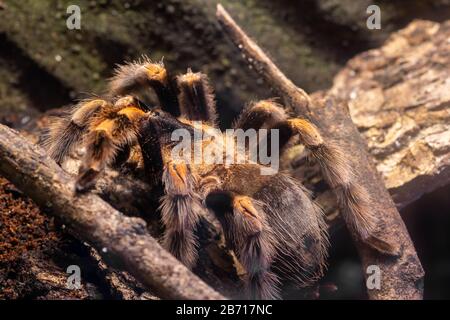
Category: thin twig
[122,241]
[255,56]
[401,275]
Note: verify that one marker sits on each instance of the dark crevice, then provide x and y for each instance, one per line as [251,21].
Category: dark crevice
[43,90]
[112,52]
[428,222]
[342,41]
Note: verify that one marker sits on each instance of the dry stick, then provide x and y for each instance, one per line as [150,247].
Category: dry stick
[121,240]
[401,276]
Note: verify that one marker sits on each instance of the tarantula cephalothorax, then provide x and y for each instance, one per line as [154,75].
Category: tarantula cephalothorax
[270,222]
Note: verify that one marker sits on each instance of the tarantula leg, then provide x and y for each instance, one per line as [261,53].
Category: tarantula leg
[251,219]
[196,97]
[136,75]
[337,170]
[180,212]
[65,133]
[335,165]
[106,137]
[122,155]
[151,151]
[249,235]
[256,115]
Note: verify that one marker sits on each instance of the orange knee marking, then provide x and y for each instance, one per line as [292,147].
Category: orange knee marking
[157,72]
[108,126]
[245,206]
[178,173]
[190,78]
[132,113]
[308,132]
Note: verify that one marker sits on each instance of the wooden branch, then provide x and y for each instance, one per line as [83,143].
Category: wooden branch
[256,57]
[402,276]
[122,241]
[119,284]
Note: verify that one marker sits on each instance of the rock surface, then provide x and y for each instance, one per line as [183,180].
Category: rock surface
[399,98]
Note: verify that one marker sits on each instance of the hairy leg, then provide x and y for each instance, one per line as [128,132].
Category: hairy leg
[66,133]
[259,114]
[249,235]
[181,210]
[196,98]
[144,73]
[336,166]
[109,133]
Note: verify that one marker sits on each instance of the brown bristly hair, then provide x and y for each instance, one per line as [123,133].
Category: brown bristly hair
[131,77]
[353,199]
[65,132]
[181,209]
[108,132]
[196,97]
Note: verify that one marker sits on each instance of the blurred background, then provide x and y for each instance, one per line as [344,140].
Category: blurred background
[44,65]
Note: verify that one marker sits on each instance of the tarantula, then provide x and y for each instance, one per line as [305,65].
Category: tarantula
[276,231]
